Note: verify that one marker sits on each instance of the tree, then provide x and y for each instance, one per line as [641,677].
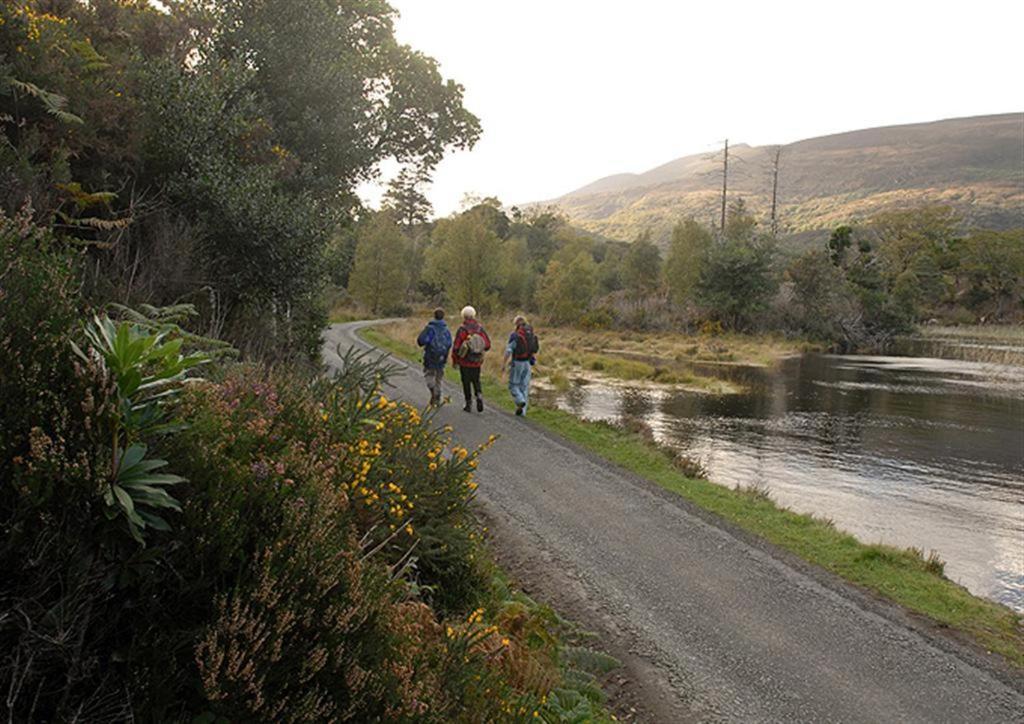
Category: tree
[993,266]
[516,274]
[490,213]
[567,289]
[341,92]
[406,202]
[609,271]
[774,216]
[379,278]
[464,260]
[737,280]
[740,223]
[839,244]
[912,246]
[641,268]
[824,306]
[687,250]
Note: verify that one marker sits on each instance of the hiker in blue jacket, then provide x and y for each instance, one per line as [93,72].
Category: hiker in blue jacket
[436,340]
[520,356]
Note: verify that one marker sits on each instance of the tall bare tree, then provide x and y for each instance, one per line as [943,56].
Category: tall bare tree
[776,156]
[725,183]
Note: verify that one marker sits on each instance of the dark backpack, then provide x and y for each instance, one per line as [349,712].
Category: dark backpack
[527,343]
[438,346]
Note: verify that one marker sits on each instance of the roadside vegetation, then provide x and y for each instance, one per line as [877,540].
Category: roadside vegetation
[905,576]
[186,535]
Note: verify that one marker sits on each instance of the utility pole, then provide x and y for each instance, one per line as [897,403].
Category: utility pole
[725,183]
[775,189]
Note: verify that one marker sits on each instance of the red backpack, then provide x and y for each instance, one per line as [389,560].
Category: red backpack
[527,344]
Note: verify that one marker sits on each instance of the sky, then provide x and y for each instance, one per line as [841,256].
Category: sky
[569,91]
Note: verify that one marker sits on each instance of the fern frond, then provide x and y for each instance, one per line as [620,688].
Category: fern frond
[54,103]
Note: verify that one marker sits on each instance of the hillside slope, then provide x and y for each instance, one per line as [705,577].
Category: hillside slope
[974,164]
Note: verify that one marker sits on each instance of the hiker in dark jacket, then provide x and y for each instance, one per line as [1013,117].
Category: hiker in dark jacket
[471,341]
[520,357]
[436,340]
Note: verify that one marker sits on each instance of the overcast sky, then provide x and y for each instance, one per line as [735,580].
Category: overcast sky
[569,91]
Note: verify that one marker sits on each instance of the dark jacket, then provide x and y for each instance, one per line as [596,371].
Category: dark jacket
[431,359]
[470,326]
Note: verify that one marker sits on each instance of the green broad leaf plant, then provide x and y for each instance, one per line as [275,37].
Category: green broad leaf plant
[147,370]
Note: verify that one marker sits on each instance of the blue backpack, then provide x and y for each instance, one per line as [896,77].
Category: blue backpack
[438,346]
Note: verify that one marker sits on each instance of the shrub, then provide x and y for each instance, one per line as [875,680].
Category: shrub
[325,563]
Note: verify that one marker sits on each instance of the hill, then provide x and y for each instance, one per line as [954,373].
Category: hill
[974,164]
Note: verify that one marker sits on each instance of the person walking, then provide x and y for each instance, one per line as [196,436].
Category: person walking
[521,353]
[471,342]
[436,340]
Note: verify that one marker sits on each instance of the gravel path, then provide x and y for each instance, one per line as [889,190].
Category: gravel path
[716,626]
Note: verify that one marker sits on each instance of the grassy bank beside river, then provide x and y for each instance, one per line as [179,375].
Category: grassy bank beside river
[904,576]
[647,358]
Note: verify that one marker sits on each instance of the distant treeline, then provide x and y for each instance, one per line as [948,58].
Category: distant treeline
[869,282]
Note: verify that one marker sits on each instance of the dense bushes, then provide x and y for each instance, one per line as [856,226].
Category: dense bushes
[325,563]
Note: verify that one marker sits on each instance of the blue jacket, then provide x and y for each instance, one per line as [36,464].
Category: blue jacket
[435,353]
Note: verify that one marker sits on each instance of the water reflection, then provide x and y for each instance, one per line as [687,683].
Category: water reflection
[909,451]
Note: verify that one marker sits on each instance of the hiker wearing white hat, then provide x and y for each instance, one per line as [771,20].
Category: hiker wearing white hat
[471,342]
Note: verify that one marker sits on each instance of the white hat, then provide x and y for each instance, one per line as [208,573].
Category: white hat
[468,312]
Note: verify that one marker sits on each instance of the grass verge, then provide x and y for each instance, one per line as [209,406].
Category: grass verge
[904,576]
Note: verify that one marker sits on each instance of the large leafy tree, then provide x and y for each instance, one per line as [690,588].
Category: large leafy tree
[686,253]
[915,252]
[464,260]
[568,288]
[379,276]
[992,263]
[341,92]
[641,268]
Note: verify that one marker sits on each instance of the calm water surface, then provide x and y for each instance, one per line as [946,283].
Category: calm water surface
[902,450]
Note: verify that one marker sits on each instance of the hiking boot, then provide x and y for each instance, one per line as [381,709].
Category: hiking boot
[468,407]
[520,407]
[479,403]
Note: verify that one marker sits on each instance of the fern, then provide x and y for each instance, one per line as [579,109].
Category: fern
[91,60]
[588,660]
[52,102]
[87,199]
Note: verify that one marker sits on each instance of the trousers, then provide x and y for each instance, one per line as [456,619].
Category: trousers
[470,381]
[519,381]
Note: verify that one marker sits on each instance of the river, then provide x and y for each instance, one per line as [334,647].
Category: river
[909,451]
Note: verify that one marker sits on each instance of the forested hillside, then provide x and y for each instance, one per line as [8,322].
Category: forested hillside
[973,165]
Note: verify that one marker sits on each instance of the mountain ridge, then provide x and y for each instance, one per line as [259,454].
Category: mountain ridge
[975,164]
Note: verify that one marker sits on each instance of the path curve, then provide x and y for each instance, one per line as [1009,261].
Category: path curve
[727,628]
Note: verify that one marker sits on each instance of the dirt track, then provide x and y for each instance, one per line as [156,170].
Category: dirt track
[711,623]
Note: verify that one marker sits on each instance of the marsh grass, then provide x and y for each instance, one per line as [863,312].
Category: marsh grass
[904,576]
[637,357]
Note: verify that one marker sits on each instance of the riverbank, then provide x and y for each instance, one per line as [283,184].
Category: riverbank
[903,576]
[1001,344]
